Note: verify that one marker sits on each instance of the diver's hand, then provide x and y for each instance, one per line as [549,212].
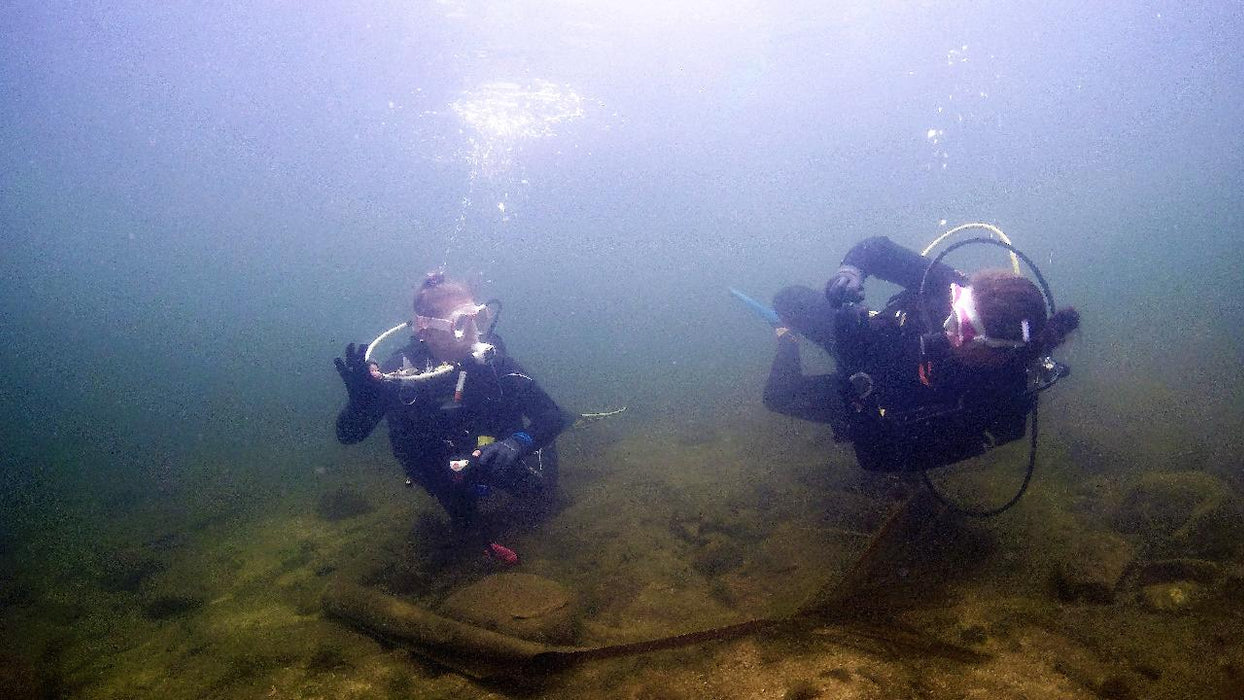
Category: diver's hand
[361,377]
[846,286]
[502,456]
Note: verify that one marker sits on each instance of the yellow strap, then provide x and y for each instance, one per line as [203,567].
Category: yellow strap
[994,230]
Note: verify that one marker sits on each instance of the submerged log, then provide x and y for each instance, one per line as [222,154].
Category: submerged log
[478,652]
[469,649]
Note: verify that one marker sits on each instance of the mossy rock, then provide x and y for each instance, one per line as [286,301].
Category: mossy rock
[341,504]
[1182,514]
[719,556]
[169,605]
[20,679]
[126,570]
[1175,596]
[519,605]
[1166,570]
[1092,569]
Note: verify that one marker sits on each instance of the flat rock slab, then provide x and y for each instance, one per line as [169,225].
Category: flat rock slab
[1182,514]
[520,605]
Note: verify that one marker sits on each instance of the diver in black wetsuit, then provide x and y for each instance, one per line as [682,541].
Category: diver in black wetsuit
[466,419]
[911,398]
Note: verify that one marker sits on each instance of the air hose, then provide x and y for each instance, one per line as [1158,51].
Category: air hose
[926,312]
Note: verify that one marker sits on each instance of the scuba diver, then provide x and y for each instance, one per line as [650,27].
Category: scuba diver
[912,393]
[464,417]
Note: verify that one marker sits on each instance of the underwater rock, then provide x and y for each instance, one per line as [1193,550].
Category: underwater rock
[1173,585]
[520,605]
[1114,687]
[689,528]
[162,607]
[167,542]
[719,556]
[1215,531]
[974,634]
[1093,569]
[1167,570]
[801,690]
[1182,514]
[20,680]
[341,504]
[15,592]
[1233,586]
[125,571]
[1173,596]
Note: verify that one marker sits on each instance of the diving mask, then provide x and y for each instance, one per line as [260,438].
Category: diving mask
[964,324]
[456,324]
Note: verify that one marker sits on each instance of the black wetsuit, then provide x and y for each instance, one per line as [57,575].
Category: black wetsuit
[427,428]
[898,414]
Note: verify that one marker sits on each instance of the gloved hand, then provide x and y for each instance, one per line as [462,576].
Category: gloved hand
[846,286]
[359,375]
[502,456]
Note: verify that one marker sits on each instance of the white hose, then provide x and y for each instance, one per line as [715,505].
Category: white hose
[383,337]
[480,352]
[994,230]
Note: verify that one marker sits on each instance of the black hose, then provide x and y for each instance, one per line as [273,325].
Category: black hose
[494,317]
[1032,463]
[925,312]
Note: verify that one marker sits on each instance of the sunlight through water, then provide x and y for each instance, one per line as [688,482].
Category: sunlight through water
[502,117]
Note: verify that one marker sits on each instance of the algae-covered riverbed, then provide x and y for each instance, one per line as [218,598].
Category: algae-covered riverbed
[1124,586]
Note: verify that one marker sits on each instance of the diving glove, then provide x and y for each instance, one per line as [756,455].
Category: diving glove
[503,456]
[845,287]
[356,372]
